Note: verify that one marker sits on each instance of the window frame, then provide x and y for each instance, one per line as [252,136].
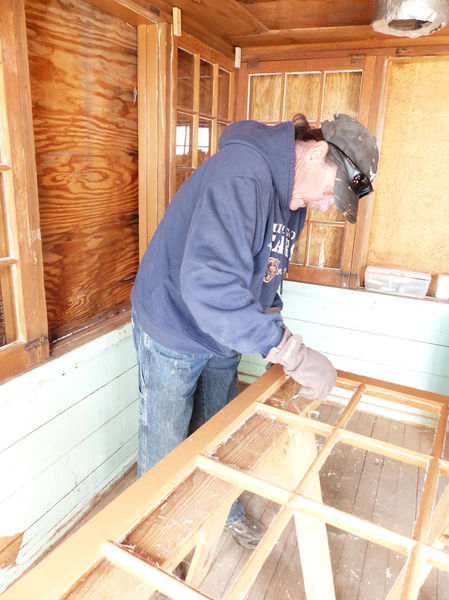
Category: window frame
[348,275]
[26,302]
[200,52]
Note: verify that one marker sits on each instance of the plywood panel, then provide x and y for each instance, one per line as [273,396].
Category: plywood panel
[410,224]
[302,94]
[264,102]
[83,78]
[341,94]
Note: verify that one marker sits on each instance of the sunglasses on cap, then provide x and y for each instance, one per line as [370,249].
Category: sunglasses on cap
[358,181]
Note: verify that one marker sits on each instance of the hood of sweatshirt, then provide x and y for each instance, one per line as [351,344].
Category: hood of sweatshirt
[276,144]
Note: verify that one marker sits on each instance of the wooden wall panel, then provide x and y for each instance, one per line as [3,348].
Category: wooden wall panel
[83,78]
[265,97]
[410,224]
[403,340]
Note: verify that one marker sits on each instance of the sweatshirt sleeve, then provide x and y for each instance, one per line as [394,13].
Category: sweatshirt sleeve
[217,267]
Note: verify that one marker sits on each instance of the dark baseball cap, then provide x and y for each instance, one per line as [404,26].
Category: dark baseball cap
[355,152]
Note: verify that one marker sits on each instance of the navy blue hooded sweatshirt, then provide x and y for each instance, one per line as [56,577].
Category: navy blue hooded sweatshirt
[216,261]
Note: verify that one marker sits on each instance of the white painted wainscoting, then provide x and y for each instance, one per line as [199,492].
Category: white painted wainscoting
[68,431]
[402,340]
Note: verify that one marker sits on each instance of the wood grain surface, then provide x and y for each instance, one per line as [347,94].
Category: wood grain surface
[83,76]
[409,229]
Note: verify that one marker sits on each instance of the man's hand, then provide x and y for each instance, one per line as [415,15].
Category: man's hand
[308,367]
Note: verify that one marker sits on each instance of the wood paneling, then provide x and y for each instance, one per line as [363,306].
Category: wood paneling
[410,225]
[302,94]
[85,120]
[341,94]
[265,95]
[64,455]
[404,340]
[286,14]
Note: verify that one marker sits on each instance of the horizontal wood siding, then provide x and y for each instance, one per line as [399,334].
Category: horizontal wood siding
[402,340]
[68,431]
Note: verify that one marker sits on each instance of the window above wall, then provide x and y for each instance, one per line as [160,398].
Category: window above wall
[318,88]
[205,104]
[23,324]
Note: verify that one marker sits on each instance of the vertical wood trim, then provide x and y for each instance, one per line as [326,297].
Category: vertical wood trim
[172,118]
[21,189]
[370,106]
[196,107]
[232,100]
[214,136]
[145,152]
[153,43]
[164,105]
[242,92]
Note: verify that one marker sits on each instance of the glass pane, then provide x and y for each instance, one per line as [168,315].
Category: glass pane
[206,87]
[184,131]
[341,94]
[8,325]
[374,487]
[439,535]
[333,214]
[288,397]
[280,577]
[326,246]
[302,94]
[107,580]
[362,570]
[196,511]
[436,585]
[299,249]
[395,423]
[204,139]
[185,79]
[2,318]
[446,445]
[223,93]
[265,97]
[266,447]
[220,128]
[181,175]
[4,241]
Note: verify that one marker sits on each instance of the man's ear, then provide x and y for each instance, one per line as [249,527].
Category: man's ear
[318,151]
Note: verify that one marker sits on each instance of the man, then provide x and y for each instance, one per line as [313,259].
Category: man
[207,286]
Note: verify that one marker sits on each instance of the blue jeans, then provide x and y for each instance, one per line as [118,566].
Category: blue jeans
[177,394]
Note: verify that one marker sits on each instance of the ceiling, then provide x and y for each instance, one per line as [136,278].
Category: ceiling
[250,23]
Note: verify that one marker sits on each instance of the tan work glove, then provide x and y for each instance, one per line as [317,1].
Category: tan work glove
[308,367]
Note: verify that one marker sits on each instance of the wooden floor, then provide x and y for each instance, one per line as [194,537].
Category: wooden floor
[370,486]
[381,490]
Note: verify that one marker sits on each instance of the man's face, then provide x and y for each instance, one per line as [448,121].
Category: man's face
[314,178]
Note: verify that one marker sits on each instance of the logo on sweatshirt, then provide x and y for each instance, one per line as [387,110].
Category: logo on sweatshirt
[282,240]
[272,269]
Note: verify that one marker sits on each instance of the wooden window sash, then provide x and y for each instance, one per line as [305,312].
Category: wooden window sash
[348,274]
[24,301]
[121,538]
[200,51]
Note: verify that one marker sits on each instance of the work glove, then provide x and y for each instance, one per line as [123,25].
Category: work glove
[308,367]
